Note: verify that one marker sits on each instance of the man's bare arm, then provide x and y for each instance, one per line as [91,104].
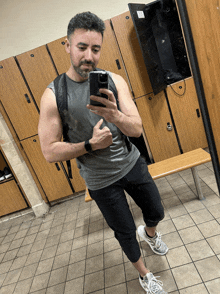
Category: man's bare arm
[50,133]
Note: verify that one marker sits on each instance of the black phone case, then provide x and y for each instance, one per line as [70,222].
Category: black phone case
[98,80]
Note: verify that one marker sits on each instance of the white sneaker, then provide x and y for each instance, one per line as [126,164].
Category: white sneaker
[155,243]
[151,285]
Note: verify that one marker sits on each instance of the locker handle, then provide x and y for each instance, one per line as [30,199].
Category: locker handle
[118,64]
[27,98]
[57,166]
[198,112]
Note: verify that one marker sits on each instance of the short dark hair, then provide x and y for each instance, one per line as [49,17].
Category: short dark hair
[85,20]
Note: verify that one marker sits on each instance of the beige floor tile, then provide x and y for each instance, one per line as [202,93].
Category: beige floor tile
[193,205]
[134,287]
[198,289]
[94,264]
[95,249]
[34,257]
[171,202]
[76,270]
[23,287]
[119,289]
[166,227]
[201,216]
[111,244]
[176,211]
[94,282]
[208,268]
[214,242]
[78,254]
[24,250]
[113,258]
[49,252]
[44,266]
[168,281]
[183,222]
[210,228]
[114,275]
[18,262]
[58,276]
[10,255]
[61,260]
[178,256]
[190,235]
[80,231]
[186,276]
[76,284]
[156,263]
[9,289]
[80,242]
[211,199]
[172,240]
[57,289]
[130,271]
[40,282]
[213,286]
[12,277]
[199,250]
[64,247]
[28,271]
[215,210]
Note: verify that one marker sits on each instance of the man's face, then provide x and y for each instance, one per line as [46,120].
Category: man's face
[84,49]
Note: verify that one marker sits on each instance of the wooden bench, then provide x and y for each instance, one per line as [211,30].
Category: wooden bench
[176,164]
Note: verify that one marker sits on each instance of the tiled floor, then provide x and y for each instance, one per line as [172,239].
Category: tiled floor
[72,250]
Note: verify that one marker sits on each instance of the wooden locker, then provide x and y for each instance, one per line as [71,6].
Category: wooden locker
[53,181]
[155,116]
[38,70]
[110,55]
[131,54]
[11,198]
[204,17]
[17,100]
[77,181]
[59,55]
[187,115]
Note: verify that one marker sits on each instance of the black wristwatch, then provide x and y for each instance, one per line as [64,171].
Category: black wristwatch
[88,146]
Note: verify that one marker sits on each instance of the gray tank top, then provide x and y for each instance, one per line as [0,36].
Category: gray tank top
[103,167]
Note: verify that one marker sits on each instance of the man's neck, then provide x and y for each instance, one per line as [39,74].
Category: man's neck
[73,75]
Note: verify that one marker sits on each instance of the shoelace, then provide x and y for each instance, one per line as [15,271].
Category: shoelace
[154,285]
[158,240]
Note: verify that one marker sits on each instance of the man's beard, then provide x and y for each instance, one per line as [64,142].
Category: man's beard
[84,73]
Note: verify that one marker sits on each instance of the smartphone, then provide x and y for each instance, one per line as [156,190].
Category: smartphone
[98,80]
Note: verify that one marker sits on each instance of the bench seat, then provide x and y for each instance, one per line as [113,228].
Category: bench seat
[176,164]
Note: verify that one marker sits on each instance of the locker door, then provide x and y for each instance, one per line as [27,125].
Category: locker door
[17,100]
[156,117]
[77,181]
[51,177]
[11,198]
[38,70]
[58,53]
[110,55]
[187,116]
[131,54]
[204,17]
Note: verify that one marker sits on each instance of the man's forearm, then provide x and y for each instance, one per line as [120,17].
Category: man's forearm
[62,151]
[131,126]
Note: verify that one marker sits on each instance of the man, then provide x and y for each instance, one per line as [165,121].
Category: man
[97,141]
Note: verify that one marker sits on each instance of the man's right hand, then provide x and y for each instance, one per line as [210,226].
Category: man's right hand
[101,138]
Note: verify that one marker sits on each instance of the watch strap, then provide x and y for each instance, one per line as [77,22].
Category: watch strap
[88,146]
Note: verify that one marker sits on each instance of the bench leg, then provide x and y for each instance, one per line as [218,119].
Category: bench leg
[197,183]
